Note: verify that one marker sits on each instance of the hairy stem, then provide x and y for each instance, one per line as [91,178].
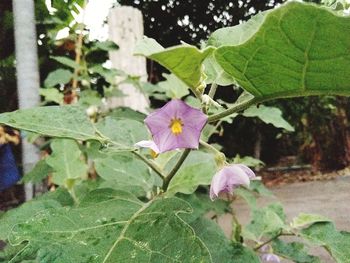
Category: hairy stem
[177,166]
[212,90]
[280,233]
[236,108]
[151,164]
[210,147]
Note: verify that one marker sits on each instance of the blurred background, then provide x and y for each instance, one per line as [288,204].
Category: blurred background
[309,141]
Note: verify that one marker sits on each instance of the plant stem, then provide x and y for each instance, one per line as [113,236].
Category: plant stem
[280,233]
[177,166]
[236,108]
[151,164]
[210,147]
[212,90]
[73,195]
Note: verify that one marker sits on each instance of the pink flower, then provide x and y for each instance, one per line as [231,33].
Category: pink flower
[229,178]
[176,125]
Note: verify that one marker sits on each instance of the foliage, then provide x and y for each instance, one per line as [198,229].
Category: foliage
[117,203]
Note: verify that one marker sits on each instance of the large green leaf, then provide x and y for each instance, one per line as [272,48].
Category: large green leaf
[125,171]
[185,61]
[335,242]
[173,87]
[198,169]
[22,213]
[297,49]
[111,226]
[66,161]
[219,246]
[56,121]
[303,220]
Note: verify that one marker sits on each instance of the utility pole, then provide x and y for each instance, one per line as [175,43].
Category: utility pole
[27,74]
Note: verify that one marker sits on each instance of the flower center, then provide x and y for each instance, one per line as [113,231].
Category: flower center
[176,126]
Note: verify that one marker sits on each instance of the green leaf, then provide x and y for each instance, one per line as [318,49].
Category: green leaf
[215,73]
[242,254]
[269,115]
[198,169]
[66,161]
[124,171]
[56,121]
[66,61]
[123,133]
[293,251]
[214,238]
[184,61]
[173,87]
[112,226]
[202,204]
[297,49]
[335,242]
[247,195]
[59,76]
[40,171]
[106,45]
[52,94]
[127,113]
[22,214]
[265,221]
[303,220]
[259,187]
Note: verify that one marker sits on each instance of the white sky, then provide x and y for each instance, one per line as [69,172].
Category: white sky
[95,13]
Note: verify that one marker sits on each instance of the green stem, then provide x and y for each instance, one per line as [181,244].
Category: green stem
[73,195]
[177,166]
[212,90]
[151,164]
[280,233]
[210,147]
[234,109]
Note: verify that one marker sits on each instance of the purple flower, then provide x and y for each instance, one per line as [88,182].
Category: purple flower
[229,178]
[270,258]
[176,125]
[267,256]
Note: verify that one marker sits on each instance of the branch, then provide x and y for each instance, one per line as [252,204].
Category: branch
[177,166]
[151,164]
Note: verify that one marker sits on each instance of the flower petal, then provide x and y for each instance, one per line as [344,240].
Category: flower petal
[247,170]
[147,144]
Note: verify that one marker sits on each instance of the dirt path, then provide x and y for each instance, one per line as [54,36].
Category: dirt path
[328,198]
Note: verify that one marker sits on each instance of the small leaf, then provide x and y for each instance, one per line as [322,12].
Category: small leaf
[198,169]
[40,171]
[52,95]
[184,61]
[123,133]
[215,73]
[66,162]
[303,220]
[294,251]
[59,76]
[66,61]
[106,45]
[265,221]
[173,87]
[269,115]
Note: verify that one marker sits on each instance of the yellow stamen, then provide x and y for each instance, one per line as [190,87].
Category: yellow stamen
[176,126]
[154,155]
